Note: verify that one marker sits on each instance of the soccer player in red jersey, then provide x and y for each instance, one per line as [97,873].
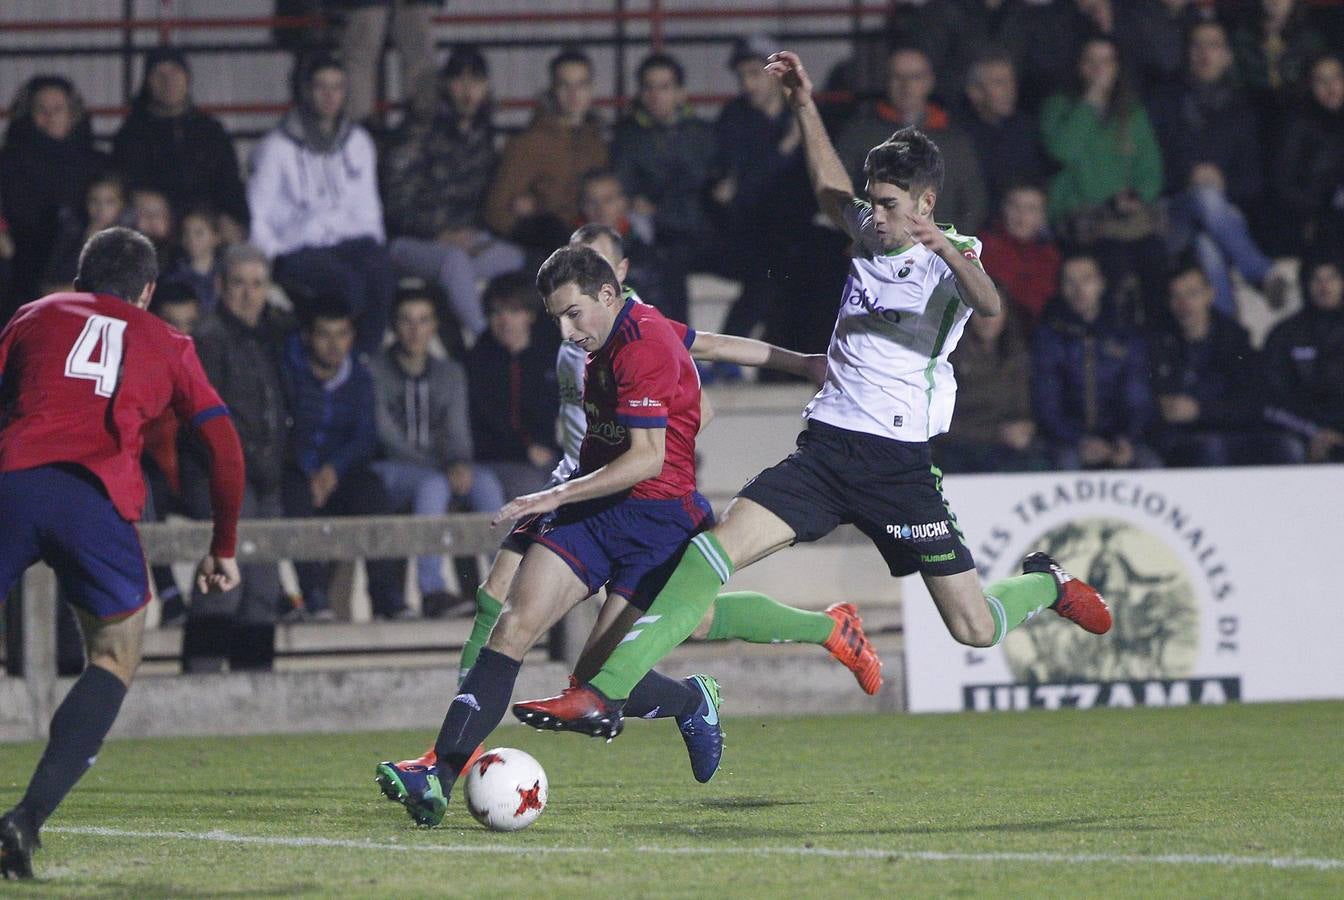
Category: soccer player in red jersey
[81,374]
[621,521]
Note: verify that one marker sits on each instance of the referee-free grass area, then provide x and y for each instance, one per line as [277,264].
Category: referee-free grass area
[1219,801]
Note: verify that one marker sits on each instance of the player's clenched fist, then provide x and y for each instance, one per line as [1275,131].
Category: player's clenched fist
[788,68]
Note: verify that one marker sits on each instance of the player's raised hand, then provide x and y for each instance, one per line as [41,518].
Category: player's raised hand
[922,230]
[788,68]
[528,505]
[217,574]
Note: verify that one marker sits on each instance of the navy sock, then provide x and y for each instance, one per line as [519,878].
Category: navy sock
[77,731]
[659,697]
[480,704]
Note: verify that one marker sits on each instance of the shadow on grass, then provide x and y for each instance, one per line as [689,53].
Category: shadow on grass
[806,831]
[749,803]
[145,888]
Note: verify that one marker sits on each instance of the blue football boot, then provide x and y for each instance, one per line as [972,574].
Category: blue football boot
[415,787]
[701,730]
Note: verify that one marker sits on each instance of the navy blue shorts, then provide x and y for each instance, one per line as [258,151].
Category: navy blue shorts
[62,516]
[630,546]
[890,490]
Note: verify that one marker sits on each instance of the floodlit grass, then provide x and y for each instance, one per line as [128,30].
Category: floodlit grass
[1213,802]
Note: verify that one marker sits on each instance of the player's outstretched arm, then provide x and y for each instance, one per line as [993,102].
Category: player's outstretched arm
[830,181]
[976,288]
[642,461]
[711,347]
[218,571]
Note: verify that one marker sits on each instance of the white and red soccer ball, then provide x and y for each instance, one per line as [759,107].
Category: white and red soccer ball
[506,789]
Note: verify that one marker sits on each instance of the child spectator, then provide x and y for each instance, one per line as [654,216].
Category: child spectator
[104,206]
[197,262]
[152,216]
[1020,255]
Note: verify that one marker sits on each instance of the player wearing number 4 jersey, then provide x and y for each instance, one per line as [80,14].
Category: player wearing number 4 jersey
[80,376]
[864,458]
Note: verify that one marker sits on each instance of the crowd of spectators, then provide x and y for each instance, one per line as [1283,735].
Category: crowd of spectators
[360,294]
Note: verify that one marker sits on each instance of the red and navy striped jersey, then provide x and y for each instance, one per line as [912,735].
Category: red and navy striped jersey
[643,377]
[80,377]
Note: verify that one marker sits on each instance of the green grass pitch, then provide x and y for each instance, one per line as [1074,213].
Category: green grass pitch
[1210,802]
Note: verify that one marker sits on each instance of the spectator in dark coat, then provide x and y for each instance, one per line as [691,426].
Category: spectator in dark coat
[667,157]
[962,201]
[169,144]
[1089,379]
[1310,168]
[1304,364]
[332,443]
[1208,384]
[1209,136]
[513,393]
[765,190]
[241,347]
[1007,141]
[46,165]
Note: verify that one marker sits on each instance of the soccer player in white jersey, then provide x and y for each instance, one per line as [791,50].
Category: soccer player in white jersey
[736,615]
[864,456]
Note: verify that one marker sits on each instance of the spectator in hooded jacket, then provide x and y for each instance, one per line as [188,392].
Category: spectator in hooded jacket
[169,144]
[1089,378]
[315,206]
[424,429]
[46,165]
[333,441]
[435,171]
[534,200]
[1304,364]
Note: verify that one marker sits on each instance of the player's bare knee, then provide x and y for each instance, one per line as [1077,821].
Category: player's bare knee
[972,631]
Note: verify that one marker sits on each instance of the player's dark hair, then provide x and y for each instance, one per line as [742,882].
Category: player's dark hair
[583,266]
[565,57]
[326,308]
[601,173]
[510,291]
[908,159]
[661,61]
[584,236]
[117,261]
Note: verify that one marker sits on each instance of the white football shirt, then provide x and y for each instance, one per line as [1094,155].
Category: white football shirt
[901,314]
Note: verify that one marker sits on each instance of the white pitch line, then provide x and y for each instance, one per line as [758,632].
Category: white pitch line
[1168,859]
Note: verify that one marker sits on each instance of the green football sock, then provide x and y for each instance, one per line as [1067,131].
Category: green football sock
[487,613]
[675,612]
[1013,601]
[749,616]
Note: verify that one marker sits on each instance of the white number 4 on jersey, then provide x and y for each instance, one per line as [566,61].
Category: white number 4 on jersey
[106,369]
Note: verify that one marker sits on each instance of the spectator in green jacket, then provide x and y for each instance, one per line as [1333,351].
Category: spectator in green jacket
[1103,199]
